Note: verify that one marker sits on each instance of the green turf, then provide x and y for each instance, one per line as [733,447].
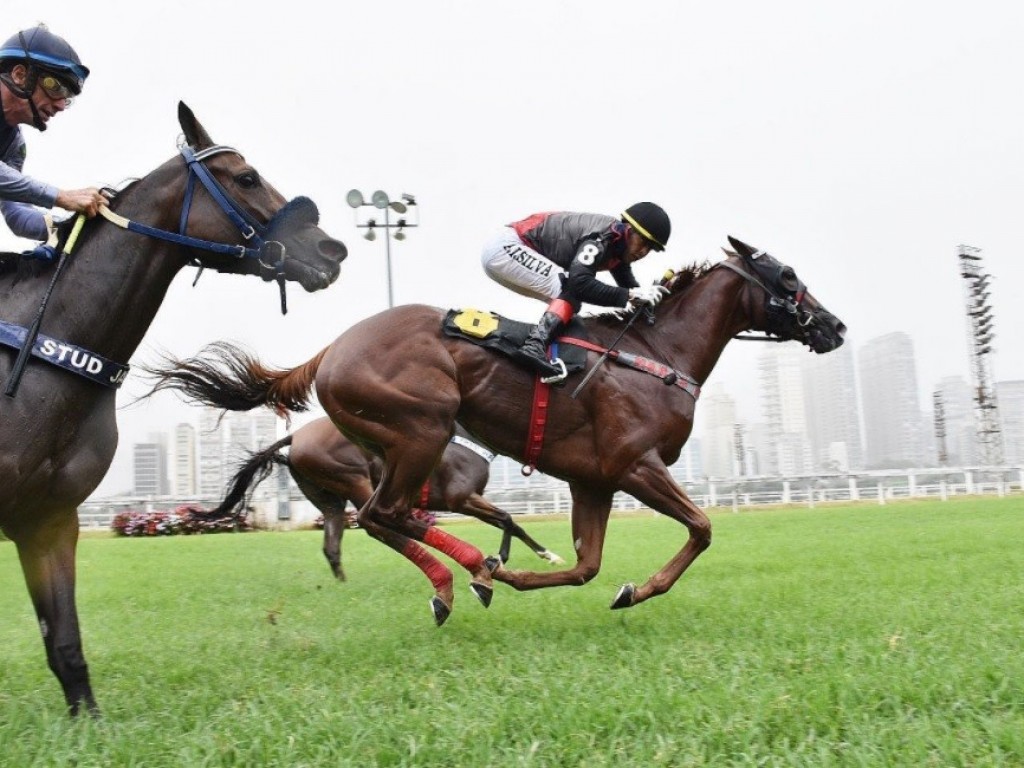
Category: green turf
[854,636]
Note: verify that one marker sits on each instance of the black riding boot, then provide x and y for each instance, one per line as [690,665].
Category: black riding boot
[534,350]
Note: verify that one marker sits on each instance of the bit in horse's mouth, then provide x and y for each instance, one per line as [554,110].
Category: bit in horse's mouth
[309,277]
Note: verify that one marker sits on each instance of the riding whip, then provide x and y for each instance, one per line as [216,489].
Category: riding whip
[636,313]
[33,332]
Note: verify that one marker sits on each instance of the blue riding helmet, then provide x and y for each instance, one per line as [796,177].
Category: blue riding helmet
[38,47]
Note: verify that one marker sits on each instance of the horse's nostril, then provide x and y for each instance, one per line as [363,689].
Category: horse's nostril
[332,249]
[841,330]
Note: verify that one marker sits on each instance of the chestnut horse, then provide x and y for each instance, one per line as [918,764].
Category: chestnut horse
[396,384]
[331,471]
[59,432]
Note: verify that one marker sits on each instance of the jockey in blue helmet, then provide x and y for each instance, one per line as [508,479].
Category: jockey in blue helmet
[40,74]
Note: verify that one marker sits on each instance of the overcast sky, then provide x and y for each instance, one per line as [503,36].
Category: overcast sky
[860,143]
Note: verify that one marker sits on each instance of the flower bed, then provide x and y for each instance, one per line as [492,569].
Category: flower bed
[350,518]
[184,520]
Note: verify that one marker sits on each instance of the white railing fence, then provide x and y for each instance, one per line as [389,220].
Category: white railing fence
[546,496]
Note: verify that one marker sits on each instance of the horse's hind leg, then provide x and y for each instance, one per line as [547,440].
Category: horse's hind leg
[440,576]
[334,530]
[47,555]
[479,507]
[333,509]
[407,465]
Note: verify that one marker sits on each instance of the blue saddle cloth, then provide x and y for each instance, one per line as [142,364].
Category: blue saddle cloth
[67,356]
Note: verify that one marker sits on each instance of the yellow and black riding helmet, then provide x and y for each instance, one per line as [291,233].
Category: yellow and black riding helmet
[651,222]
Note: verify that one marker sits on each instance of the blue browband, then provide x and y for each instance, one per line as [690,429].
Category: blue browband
[260,243]
[251,230]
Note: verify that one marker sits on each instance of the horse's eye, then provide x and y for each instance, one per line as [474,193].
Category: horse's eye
[247,180]
[788,279]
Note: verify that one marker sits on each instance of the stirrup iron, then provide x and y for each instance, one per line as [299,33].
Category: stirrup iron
[561,376]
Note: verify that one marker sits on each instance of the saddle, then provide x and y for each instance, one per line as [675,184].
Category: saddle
[500,334]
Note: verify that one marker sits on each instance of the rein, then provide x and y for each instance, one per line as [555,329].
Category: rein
[668,375]
[251,230]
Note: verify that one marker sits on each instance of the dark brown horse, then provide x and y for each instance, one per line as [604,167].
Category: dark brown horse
[396,384]
[59,432]
[331,471]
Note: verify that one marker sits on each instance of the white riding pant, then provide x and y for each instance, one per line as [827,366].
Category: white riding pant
[519,268]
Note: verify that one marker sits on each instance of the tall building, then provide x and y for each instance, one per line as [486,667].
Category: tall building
[688,468]
[1011,408]
[893,420]
[833,414]
[958,415]
[185,461]
[783,409]
[225,443]
[212,465]
[717,415]
[149,467]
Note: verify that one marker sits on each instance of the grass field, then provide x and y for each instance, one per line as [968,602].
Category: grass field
[856,636]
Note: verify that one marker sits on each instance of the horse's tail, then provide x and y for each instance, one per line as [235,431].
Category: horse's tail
[225,376]
[251,473]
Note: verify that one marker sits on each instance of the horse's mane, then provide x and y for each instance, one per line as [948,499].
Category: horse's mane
[677,282]
[13,263]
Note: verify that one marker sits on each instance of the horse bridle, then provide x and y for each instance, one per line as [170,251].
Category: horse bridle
[779,305]
[259,238]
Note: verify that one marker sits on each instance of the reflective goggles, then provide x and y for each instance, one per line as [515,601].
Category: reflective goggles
[56,89]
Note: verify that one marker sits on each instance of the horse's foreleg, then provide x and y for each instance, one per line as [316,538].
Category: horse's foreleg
[479,507]
[590,510]
[651,484]
[47,557]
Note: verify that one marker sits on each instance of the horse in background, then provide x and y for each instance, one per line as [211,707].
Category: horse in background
[207,206]
[395,383]
[331,471]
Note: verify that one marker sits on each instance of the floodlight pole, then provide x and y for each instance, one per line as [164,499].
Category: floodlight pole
[380,200]
[387,256]
[980,335]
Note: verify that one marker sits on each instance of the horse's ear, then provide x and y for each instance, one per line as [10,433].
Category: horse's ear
[195,134]
[729,252]
[742,247]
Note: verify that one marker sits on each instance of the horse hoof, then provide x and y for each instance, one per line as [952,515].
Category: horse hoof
[551,557]
[493,563]
[624,599]
[483,593]
[440,609]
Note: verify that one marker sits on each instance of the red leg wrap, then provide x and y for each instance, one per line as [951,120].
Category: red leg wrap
[434,569]
[466,555]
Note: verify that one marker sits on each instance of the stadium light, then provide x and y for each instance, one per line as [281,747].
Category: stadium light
[379,200]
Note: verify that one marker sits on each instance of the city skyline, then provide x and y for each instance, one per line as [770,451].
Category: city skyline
[824,415]
[815,413]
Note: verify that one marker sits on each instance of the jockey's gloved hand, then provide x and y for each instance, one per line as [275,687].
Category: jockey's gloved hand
[648,295]
[43,252]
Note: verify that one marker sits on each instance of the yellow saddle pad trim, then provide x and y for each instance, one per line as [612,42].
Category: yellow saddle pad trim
[476,323]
